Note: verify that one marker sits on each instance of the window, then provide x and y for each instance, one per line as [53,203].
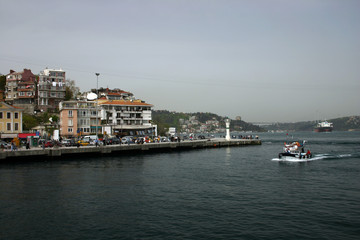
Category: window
[70,122]
[16,126]
[8,115]
[8,126]
[70,113]
[1,115]
[16,115]
[70,130]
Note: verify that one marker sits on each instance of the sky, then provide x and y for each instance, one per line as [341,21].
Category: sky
[262,60]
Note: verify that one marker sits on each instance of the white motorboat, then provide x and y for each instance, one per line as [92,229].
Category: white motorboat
[295,151]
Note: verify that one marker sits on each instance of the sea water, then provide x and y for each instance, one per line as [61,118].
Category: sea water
[221,193]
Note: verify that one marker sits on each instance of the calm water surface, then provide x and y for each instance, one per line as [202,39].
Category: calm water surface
[225,193]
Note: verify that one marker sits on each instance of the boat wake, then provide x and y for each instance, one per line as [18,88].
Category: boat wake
[295,159]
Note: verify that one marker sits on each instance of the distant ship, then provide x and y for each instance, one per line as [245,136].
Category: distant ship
[324,126]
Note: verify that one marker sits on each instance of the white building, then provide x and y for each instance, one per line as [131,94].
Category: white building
[127,117]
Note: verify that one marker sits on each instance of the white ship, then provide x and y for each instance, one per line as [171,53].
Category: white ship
[324,126]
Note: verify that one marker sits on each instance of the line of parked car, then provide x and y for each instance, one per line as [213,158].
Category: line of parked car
[91,141]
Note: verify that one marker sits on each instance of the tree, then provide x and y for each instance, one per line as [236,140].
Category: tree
[68,94]
[2,82]
[29,121]
[71,91]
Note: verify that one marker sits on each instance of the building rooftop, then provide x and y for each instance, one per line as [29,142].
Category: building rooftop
[125,103]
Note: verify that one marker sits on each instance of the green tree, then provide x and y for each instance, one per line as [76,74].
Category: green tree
[68,94]
[71,90]
[55,118]
[2,82]
[29,121]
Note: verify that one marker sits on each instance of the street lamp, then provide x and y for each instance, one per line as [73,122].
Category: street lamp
[97,97]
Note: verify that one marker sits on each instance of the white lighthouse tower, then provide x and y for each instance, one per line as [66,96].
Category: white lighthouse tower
[227,123]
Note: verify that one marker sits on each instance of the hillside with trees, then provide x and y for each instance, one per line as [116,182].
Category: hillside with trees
[165,119]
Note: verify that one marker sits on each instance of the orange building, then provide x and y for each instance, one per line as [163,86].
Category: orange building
[78,118]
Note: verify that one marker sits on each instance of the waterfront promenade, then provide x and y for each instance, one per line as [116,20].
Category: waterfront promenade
[111,150]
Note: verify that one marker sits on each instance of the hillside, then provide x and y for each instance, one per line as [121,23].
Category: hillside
[340,124]
[165,119]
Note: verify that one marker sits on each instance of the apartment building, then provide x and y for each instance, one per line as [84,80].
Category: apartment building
[20,89]
[51,89]
[78,118]
[124,117]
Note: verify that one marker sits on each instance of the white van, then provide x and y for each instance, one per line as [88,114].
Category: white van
[89,138]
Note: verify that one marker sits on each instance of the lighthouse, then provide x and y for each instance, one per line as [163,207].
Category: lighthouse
[227,123]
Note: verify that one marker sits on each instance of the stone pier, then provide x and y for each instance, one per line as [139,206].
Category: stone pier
[68,152]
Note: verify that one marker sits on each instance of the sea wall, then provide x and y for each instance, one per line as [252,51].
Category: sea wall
[60,152]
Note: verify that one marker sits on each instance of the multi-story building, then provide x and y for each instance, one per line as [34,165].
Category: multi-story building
[10,120]
[51,89]
[123,117]
[20,89]
[78,118]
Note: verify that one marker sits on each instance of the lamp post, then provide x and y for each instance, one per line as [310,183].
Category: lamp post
[97,97]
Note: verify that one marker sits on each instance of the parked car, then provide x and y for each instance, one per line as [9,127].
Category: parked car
[5,145]
[83,143]
[49,144]
[68,142]
[127,140]
[164,139]
[113,140]
[201,137]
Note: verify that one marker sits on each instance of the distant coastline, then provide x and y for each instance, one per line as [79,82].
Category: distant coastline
[165,119]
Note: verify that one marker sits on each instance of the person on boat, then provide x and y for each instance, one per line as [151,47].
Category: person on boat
[308,154]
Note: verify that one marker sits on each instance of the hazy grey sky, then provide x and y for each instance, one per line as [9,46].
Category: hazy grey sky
[263,60]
